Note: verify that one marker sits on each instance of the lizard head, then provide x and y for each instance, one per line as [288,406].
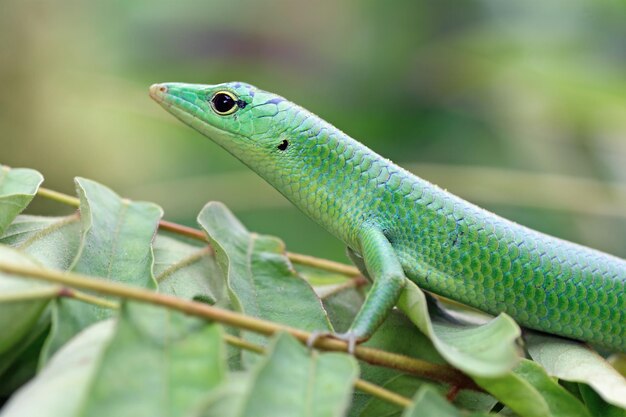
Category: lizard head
[299,154]
[237,116]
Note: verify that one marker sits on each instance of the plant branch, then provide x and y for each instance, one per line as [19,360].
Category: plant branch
[243,344]
[360,384]
[350,283]
[365,386]
[58,196]
[306,260]
[196,234]
[324,264]
[382,393]
[41,293]
[179,229]
[55,291]
[373,356]
[88,298]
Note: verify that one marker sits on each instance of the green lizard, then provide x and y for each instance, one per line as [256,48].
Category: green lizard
[405,227]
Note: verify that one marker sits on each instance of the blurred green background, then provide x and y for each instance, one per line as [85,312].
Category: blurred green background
[519,107]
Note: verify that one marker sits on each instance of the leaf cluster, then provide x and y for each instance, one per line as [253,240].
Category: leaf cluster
[69,352]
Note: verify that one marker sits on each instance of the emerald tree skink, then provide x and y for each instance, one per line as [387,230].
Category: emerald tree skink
[403,226]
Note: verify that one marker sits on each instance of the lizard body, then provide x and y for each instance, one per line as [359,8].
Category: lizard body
[403,226]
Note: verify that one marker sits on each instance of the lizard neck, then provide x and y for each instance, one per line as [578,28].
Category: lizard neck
[335,180]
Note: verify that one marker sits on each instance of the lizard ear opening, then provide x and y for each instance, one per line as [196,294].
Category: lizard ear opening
[283,145]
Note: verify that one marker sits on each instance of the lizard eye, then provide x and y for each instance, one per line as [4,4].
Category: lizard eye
[224,103]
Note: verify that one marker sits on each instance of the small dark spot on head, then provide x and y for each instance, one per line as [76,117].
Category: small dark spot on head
[241,104]
[237,85]
[283,145]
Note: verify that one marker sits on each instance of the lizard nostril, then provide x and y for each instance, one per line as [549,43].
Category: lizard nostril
[157,91]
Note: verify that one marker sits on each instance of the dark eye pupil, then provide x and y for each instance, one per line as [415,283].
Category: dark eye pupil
[223,103]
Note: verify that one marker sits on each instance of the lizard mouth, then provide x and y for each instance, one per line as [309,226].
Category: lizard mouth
[175,101]
[177,104]
[187,111]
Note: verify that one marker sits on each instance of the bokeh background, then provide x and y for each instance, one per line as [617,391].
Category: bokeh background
[517,106]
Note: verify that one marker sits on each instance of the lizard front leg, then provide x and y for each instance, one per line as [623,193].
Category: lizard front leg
[385,270]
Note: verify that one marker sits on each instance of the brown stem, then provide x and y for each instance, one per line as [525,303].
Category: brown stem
[381,393]
[365,386]
[196,234]
[179,229]
[360,384]
[373,356]
[453,392]
[324,264]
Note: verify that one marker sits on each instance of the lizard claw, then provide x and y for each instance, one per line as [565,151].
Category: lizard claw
[349,337]
[310,341]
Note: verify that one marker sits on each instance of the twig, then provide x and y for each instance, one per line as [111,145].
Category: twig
[88,298]
[360,384]
[355,282]
[381,393]
[179,229]
[453,392]
[58,196]
[324,264]
[41,293]
[55,291]
[373,356]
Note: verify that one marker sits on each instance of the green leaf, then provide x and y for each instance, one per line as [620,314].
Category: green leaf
[342,307]
[18,317]
[19,364]
[516,393]
[261,281]
[60,387]
[573,361]
[115,244]
[225,400]
[407,386]
[291,382]
[188,271]
[52,241]
[116,235]
[529,391]
[618,361]
[484,350]
[167,361]
[401,384]
[397,334]
[478,350]
[597,406]
[320,278]
[152,362]
[17,188]
[429,403]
